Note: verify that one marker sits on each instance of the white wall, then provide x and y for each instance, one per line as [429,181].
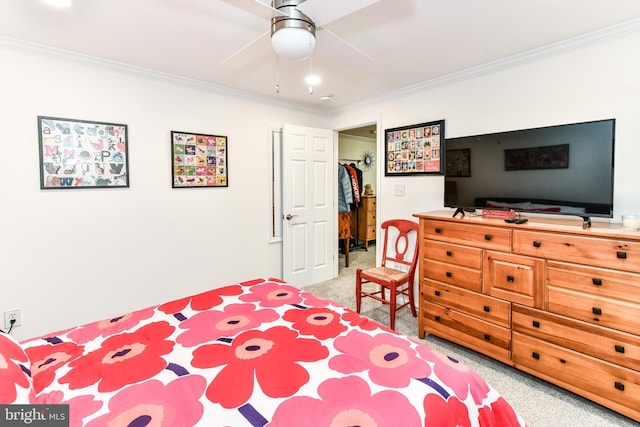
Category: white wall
[72,256]
[599,81]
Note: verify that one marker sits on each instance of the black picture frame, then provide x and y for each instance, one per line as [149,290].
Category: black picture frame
[78,154]
[458,163]
[199,160]
[415,149]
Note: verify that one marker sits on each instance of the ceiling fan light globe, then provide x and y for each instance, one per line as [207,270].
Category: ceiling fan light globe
[293,43]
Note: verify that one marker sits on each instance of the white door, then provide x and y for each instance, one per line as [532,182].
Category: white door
[309,229]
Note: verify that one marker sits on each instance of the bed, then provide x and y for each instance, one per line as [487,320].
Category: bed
[256,353]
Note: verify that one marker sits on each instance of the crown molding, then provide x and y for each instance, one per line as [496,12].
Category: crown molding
[567,45]
[571,44]
[68,56]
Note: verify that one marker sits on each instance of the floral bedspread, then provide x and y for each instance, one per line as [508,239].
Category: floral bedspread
[257,353]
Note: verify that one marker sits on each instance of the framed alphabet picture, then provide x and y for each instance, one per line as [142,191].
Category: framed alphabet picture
[415,149]
[82,154]
[198,160]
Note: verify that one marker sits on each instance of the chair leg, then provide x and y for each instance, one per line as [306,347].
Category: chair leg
[411,301]
[358,290]
[392,305]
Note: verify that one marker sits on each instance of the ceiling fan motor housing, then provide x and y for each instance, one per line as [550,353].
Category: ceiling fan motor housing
[294,20]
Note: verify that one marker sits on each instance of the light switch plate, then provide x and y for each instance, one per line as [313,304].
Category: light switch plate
[398,190]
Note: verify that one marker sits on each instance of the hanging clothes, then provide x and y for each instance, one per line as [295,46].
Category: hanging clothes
[345,189]
[356,184]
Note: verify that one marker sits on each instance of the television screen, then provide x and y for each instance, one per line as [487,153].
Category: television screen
[564,169]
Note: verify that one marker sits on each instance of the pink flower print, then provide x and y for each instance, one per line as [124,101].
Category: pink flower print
[446,413]
[361,322]
[152,403]
[46,359]
[457,376]
[322,323]
[233,319]
[310,300]
[390,360]
[347,402]
[107,327]
[500,413]
[201,302]
[12,376]
[273,294]
[80,407]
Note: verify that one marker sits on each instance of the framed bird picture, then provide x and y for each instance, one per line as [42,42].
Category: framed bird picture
[82,154]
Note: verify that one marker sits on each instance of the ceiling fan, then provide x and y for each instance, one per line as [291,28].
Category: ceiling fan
[295,26]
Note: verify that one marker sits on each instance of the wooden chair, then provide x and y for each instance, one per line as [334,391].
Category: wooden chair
[397,270]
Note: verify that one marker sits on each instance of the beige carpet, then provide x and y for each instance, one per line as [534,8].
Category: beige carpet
[540,403]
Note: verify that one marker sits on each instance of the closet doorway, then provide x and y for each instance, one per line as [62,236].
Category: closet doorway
[357,157]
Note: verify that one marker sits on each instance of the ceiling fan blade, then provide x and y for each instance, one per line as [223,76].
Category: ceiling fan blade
[324,11]
[257,7]
[333,46]
[248,54]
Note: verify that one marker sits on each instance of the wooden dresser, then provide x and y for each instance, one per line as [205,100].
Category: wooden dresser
[547,297]
[366,217]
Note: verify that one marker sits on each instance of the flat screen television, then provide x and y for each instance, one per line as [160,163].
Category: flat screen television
[564,169]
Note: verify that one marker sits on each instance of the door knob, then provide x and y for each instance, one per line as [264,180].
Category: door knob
[289,216]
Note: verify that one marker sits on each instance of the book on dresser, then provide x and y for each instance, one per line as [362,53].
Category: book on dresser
[546,297]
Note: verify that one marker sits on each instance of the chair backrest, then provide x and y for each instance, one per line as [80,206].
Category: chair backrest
[400,244]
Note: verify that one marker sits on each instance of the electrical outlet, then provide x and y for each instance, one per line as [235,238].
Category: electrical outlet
[10,315]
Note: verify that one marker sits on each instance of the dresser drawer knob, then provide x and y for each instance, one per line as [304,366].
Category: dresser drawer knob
[537,243]
[563,361]
[535,355]
[437,318]
[488,237]
[486,308]
[619,348]
[597,282]
[437,293]
[449,274]
[438,230]
[621,254]
[510,279]
[487,337]
[449,253]
[619,386]
[535,324]
[596,311]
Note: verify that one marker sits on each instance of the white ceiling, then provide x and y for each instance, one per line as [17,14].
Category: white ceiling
[411,42]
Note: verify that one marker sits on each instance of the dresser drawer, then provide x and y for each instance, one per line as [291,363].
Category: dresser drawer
[452,274]
[453,254]
[370,232]
[609,312]
[596,379]
[492,310]
[515,278]
[467,330]
[472,235]
[614,346]
[598,281]
[616,254]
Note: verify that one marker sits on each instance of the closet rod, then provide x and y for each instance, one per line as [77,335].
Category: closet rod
[349,160]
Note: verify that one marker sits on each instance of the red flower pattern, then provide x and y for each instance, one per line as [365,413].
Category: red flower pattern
[11,374]
[500,413]
[269,357]
[201,302]
[108,327]
[80,407]
[322,323]
[46,359]
[446,413]
[122,359]
[273,294]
